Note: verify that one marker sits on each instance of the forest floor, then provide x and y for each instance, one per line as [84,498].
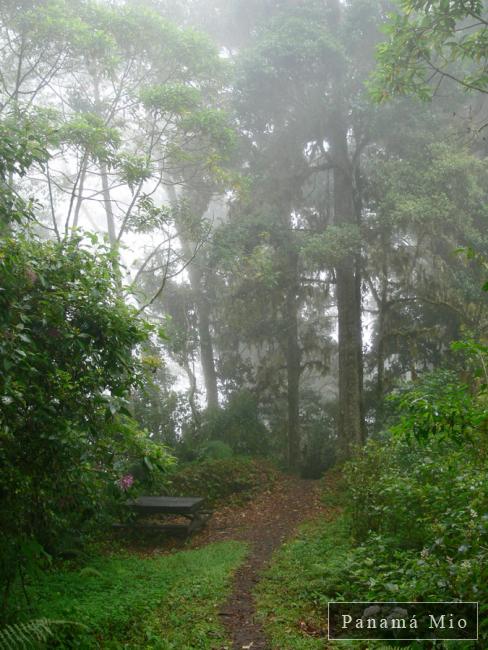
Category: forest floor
[264,524]
[212,590]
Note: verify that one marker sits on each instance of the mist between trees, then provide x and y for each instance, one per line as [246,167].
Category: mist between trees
[218,236]
[264,207]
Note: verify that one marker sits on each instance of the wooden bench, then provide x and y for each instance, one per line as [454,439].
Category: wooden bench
[189,507]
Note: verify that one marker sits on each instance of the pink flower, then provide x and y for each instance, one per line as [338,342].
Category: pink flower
[31,275]
[125,482]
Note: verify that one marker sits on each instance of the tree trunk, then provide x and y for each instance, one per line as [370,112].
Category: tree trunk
[199,204]
[293,366]
[383,307]
[107,201]
[348,295]
[192,391]
[204,335]
[79,200]
[380,369]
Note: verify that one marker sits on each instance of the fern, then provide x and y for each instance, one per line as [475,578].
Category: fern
[34,634]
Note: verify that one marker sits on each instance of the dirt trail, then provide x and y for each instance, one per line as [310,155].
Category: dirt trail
[265,523]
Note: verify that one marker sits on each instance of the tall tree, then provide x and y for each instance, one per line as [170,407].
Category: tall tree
[303,82]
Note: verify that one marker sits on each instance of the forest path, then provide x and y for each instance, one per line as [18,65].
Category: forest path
[264,523]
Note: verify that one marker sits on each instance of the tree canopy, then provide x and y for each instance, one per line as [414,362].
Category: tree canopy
[432,42]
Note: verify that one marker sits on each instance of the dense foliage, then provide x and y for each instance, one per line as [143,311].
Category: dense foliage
[429,42]
[431,470]
[222,250]
[223,480]
[67,353]
[237,425]
[444,490]
[414,525]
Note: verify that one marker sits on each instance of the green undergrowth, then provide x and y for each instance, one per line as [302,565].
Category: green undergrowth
[235,479]
[161,603]
[292,597]
[413,528]
[307,573]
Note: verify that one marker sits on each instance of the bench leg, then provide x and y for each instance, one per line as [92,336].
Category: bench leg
[198,521]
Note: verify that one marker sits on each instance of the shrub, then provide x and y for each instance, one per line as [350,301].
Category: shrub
[439,404]
[392,483]
[420,521]
[237,425]
[214,449]
[217,480]
[67,343]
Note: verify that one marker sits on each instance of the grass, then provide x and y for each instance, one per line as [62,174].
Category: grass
[160,603]
[305,574]
[317,566]
[290,598]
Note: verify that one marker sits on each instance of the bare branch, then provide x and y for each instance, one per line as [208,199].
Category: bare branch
[51,202]
[167,277]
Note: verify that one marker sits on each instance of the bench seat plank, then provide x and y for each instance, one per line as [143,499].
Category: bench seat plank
[166,505]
